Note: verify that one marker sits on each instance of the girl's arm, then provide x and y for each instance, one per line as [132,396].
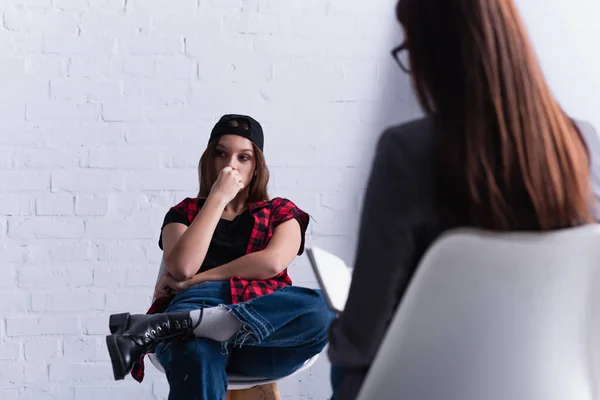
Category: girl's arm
[279,253]
[184,248]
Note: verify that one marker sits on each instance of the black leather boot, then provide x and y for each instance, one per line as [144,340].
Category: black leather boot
[119,323]
[127,347]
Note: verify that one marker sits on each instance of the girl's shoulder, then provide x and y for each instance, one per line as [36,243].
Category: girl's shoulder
[282,204]
[188,207]
[283,209]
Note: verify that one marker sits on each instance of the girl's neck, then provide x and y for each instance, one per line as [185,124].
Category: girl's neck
[237,205]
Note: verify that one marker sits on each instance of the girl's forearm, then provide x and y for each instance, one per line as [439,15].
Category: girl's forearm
[187,256]
[258,265]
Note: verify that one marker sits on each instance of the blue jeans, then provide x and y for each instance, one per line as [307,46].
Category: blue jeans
[280,331]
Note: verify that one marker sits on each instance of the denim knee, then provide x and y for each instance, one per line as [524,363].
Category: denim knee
[319,313]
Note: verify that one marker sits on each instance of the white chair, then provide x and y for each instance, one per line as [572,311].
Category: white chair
[235,381]
[333,275]
[497,317]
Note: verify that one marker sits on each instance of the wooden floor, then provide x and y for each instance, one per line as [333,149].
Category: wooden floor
[263,392]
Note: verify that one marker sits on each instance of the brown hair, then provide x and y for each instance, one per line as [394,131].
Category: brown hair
[509,158]
[257,190]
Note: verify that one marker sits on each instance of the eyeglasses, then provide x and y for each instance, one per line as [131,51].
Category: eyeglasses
[400,54]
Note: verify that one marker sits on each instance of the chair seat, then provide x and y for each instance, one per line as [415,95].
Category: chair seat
[241,382]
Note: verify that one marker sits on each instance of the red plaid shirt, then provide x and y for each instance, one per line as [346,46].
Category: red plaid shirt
[267,216]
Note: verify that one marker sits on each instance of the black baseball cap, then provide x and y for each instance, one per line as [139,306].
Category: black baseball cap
[254,133]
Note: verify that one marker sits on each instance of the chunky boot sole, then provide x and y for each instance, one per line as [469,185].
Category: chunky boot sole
[116,358]
[119,323]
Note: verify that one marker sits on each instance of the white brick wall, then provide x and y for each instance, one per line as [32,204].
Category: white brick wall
[105,108]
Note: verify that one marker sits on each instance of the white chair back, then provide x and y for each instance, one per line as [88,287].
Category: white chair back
[333,275]
[496,317]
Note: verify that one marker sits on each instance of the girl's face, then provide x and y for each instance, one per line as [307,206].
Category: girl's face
[238,153]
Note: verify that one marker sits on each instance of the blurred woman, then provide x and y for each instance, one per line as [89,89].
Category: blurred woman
[495,151]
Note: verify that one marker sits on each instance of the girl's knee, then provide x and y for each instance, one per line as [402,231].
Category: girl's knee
[317,323]
[321,314]
[317,312]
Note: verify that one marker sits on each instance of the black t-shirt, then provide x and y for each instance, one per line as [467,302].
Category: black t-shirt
[229,241]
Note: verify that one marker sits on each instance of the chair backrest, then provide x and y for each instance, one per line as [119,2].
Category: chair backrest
[333,275]
[497,316]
